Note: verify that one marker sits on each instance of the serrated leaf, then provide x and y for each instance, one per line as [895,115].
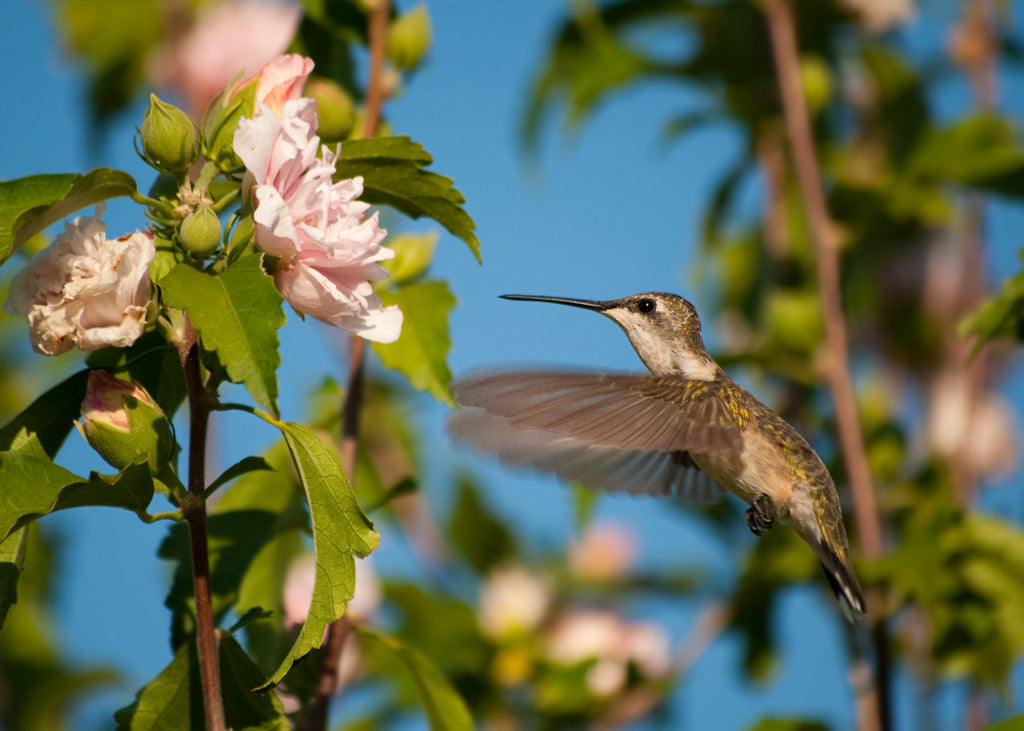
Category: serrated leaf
[173,699]
[31,486]
[12,562]
[421,352]
[28,205]
[445,709]
[35,486]
[393,175]
[41,428]
[340,533]
[237,314]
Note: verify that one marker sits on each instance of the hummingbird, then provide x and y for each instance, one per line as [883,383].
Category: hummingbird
[684,429]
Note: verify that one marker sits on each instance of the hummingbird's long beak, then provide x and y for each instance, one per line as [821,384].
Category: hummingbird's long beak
[599,306]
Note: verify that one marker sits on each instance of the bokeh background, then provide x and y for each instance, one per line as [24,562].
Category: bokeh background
[610,208]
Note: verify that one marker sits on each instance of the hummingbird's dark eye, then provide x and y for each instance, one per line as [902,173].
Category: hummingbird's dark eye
[646,305]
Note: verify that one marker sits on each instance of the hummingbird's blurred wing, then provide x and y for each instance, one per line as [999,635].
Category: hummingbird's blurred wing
[620,433]
[643,412]
[597,466]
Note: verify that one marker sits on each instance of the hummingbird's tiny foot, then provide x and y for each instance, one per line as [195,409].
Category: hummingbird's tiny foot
[760,515]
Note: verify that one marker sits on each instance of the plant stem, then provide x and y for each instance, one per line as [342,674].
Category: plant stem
[316,717]
[869,528]
[193,507]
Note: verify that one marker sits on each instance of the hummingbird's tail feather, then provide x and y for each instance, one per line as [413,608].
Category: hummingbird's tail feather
[844,584]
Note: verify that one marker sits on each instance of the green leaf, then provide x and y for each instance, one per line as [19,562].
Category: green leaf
[34,487]
[788,724]
[243,708]
[28,205]
[442,626]
[249,523]
[481,538]
[421,352]
[340,533]
[237,314]
[973,150]
[233,540]
[413,255]
[173,699]
[1014,723]
[12,562]
[31,486]
[41,428]
[20,196]
[393,175]
[445,709]
[244,465]
[1000,316]
[588,60]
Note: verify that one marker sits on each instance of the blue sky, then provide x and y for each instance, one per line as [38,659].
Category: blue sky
[608,213]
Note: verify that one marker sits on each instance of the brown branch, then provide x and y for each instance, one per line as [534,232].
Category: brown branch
[193,507]
[337,631]
[782,32]
[376,91]
[713,620]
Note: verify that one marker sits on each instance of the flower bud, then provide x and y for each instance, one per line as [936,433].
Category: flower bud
[409,38]
[221,122]
[123,423]
[335,110]
[170,139]
[200,232]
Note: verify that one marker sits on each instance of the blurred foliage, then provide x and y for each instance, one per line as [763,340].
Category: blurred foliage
[38,686]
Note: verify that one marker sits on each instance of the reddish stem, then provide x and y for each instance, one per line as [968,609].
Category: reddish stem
[193,508]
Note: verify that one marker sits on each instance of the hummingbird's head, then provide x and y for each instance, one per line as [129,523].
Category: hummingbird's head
[664,329]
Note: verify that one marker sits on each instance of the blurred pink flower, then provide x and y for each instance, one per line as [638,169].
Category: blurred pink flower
[328,250]
[582,635]
[227,40]
[298,591]
[978,428]
[604,551]
[579,636]
[513,601]
[84,290]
